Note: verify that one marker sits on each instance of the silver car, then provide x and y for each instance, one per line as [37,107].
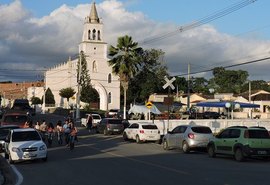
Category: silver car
[187,137]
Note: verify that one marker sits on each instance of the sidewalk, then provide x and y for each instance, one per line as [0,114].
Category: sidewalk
[7,176]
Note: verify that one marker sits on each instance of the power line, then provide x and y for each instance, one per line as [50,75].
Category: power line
[207,19]
[229,66]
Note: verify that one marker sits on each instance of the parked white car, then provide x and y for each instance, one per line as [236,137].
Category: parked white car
[25,144]
[96,120]
[142,132]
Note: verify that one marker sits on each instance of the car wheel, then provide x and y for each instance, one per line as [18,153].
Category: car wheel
[238,155]
[211,151]
[138,139]
[185,147]
[45,159]
[125,136]
[165,145]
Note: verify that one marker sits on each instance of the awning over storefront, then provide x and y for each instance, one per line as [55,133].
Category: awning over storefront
[227,104]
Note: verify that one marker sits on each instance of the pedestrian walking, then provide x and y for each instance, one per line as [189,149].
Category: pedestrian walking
[66,128]
[73,134]
[43,130]
[59,131]
[89,122]
[37,126]
[50,133]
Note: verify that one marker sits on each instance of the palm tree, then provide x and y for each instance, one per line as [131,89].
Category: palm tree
[125,62]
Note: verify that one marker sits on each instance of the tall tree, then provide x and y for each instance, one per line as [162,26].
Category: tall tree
[67,93]
[149,79]
[229,80]
[125,62]
[49,97]
[88,93]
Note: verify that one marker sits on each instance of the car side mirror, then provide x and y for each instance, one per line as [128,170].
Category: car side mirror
[170,132]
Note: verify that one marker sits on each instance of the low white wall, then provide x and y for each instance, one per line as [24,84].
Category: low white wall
[215,125]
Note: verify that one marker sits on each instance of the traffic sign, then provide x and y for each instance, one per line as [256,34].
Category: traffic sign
[149,105]
[169,83]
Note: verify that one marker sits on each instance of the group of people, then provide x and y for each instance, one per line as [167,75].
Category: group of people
[66,132]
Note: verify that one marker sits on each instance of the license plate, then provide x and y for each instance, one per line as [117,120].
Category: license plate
[29,155]
[262,152]
[116,130]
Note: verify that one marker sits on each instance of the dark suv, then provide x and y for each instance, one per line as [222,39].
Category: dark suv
[241,142]
[110,126]
[23,105]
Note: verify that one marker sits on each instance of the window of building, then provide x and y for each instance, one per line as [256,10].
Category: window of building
[94,67]
[98,33]
[110,97]
[94,34]
[110,78]
[89,34]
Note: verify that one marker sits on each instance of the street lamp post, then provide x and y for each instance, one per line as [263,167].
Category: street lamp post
[232,106]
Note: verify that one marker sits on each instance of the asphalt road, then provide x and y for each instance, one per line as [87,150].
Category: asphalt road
[101,160]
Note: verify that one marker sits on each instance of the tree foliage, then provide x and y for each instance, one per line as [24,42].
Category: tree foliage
[150,77]
[229,81]
[88,93]
[125,62]
[67,93]
[49,97]
[36,100]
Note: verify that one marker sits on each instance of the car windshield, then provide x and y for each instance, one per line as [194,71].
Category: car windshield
[258,134]
[25,136]
[15,119]
[95,117]
[201,130]
[149,127]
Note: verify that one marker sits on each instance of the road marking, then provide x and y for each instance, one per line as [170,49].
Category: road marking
[18,174]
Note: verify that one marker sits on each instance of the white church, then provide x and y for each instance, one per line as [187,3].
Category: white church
[95,49]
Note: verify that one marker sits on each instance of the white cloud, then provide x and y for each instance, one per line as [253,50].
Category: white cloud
[33,43]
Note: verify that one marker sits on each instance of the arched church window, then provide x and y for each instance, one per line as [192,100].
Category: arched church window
[110,78]
[98,35]
[94,67]
[89,34]
[94,34]
[109,97]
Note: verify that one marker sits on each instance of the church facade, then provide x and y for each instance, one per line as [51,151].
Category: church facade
[102,79]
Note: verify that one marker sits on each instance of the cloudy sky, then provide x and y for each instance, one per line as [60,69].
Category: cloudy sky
[38,34]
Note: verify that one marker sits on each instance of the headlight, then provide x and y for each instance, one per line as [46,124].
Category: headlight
[14,149]
[43,147]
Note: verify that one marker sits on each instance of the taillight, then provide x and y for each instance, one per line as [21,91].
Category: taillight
[141,131]
[246,134]
[191,136]
[108,125]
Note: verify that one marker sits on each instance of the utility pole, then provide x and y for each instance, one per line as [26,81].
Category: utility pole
[79,89]
[188,90]
[44,95]
[249,99]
